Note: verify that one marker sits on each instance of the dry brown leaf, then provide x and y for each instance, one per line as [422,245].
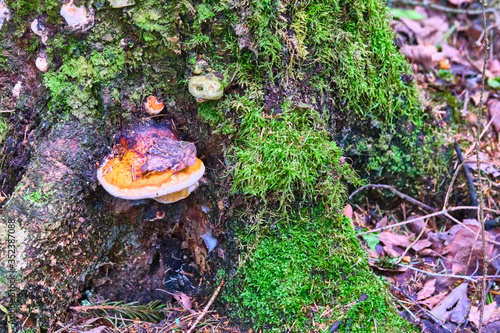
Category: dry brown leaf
[99,329]
[494,67]
[454,306]
[429,31]
[348,211]
[428,289]
[491,314]
[494,109]
[477,96]
[465,249]
[478,64]
[420,54]
[488,165]
[421,244]
[431,302]
[382,223]
[392,241]
[184,300]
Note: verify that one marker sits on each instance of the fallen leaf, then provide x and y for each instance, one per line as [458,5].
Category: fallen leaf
[465,249]
[494,67]
[99,329]
[391,238]
[492,328]
[392,241]
[428,289]
[382,223]
[491,314]
[184,300]
[420,54]
[421,244]
[429,31]
[454,306]
[494,109]
[431,302]
[348,211]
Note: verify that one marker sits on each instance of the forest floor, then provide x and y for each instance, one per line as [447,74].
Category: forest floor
[430,250]
[432,254]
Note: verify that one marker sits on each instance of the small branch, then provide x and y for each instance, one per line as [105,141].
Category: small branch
[393,190]
[446,9]
[436,320]
[413,243]
[477,141]
[467,174]
[461,277]
[5,111]
[206,307]
[442,212]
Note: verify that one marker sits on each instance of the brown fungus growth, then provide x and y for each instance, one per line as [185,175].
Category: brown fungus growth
[150,162]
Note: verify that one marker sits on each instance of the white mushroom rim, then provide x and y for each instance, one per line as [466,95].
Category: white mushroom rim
[177,182]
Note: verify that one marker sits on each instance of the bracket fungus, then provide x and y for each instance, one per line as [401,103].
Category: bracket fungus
[78,18]
[153,106]
[150,162]
[205,87]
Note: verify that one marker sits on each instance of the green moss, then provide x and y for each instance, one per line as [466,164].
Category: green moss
[4,129]
[73,85]
[299,270]
[289,155]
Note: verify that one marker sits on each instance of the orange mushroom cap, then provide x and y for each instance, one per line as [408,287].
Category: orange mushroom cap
[153,106]
[149,162]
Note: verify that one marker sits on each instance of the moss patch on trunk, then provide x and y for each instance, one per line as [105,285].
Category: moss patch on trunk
[306,274]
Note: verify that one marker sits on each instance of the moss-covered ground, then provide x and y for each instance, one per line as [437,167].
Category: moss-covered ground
[314,97]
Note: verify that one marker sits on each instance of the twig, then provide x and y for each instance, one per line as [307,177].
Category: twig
[5,111]
[461,277]
[206,307]
[436,320]
[450,187]
[465,156]
[418,218]
[413,243]
[393,190]
[481,195]
[467,174]
[434,6]
[442,212]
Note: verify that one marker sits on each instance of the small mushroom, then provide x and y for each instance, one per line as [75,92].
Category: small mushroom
[153,106]
[78,18]
[4,13]
[205,87]
[41,62]
[149,162]
[16,91]
[40,30]
[121,3]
